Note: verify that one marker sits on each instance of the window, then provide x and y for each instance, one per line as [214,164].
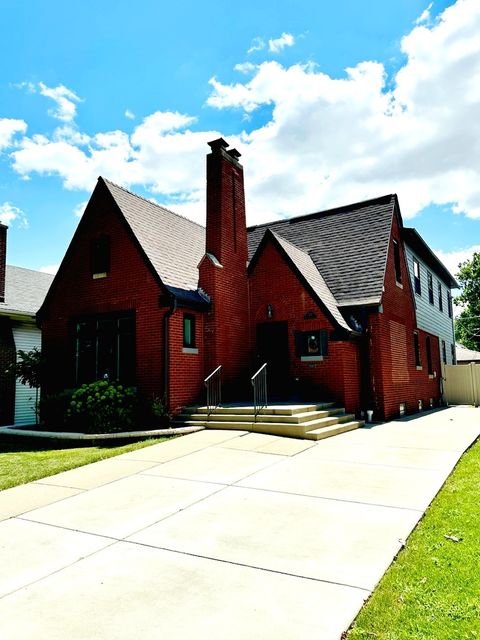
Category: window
[429,356]
[396,258]
[105,348]
[416,277]
[416,344]
[449,304]
[453,354]
[430,288]
[440,298]
[312,345]
[188,331]
[444,352]
[100,257]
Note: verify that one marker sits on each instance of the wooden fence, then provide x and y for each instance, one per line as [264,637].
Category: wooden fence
[461,383]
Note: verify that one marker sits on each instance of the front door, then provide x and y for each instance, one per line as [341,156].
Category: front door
[272,348]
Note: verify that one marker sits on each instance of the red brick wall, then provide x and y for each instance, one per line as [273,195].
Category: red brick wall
[273,282]
[7,381]
[394,377]
[129,286]
[226,324]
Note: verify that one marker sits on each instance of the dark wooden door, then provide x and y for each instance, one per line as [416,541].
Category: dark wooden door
[272,348]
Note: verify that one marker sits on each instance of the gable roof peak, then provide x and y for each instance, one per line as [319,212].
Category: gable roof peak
[151,202]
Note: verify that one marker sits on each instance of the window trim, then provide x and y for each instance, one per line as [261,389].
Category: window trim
[417,283]
[440,296]
[190,345]
[431,295]
[397,261]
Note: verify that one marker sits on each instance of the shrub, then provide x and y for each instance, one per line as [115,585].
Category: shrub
[53,409]
[103,407]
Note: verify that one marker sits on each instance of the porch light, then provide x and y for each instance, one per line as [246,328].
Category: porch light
[269,311]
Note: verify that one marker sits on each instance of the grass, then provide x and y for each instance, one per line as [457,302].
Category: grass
[432,591]
[25,459]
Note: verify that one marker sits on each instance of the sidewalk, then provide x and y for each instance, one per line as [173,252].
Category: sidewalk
[221,534]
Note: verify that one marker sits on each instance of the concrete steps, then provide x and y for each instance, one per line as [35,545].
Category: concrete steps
[308,421]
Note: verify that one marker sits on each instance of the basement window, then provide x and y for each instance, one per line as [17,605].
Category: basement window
[100,257]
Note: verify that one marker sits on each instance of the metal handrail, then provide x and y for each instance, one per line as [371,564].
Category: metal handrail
[259,384]
[213,384]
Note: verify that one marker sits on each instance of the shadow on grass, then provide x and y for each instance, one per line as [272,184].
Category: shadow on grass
[18,444]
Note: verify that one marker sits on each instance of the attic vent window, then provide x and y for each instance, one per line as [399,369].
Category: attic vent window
[100,257]
[396,258]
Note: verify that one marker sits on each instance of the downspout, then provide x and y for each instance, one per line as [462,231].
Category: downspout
[166,358]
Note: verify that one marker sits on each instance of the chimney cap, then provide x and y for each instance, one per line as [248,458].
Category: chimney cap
[218,144]
[234,153]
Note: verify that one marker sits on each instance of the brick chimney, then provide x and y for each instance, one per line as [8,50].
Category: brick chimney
[223,269]
[3,260]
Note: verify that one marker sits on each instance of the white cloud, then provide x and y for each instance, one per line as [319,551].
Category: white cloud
[8,128]
[65,108]
[452,259]
[277,44]
[245,67]
[129,114]
[50,268]
[257,45]
[425,15]
[325,141]
[78,211]
[9,214]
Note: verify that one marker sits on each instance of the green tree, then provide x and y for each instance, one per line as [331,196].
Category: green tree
[467,325]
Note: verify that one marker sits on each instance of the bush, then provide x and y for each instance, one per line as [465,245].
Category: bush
[103,407]
[53,409]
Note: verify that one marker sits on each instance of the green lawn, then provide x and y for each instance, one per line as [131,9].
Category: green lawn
[432,591]
[26,459]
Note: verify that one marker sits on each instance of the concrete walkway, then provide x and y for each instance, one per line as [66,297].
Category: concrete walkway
[221,534]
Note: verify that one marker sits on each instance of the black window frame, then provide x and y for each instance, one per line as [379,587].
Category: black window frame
[105,347]
[431,297]
[189,342]
[100,255]
[416,347]
[397,262]
[416,277]
[428,348]
[440,296]
[312,343]
[453,353]
[444,352]
[449,304]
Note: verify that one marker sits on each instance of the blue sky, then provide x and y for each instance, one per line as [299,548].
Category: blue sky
[328,103]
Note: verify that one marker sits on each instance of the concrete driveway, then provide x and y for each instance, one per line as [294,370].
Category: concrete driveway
[221,534]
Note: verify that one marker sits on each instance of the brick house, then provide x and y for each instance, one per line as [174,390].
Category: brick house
[22,291]
[148,297]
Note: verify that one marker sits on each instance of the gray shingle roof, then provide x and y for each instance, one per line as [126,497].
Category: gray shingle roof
[466,355]
[348,246]
[173,244]
[25,291]
[309,271]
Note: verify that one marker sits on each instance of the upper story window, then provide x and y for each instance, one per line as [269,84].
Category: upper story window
[189,331]
[100,257]
[396,258]
[430,288]
[449,304]
[440,297]
[416,277]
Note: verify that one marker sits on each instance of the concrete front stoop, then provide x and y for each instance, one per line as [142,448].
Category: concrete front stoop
[306,421]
